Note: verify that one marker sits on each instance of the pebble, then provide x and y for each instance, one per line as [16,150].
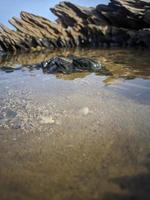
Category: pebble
[84,111]
[47,120]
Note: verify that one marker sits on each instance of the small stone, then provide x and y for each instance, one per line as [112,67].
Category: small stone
[84,111]
[47,120]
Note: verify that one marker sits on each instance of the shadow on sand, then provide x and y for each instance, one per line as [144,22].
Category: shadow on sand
[134,187]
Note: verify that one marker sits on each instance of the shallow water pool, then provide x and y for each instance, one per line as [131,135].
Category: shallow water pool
[78,136]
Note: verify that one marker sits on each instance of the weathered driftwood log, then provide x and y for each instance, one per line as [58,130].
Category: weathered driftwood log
[121,23]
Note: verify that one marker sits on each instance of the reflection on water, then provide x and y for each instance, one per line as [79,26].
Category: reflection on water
[78,136]
[126,64]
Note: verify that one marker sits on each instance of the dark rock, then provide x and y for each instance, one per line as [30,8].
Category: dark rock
[58,65]
[85,64]
[70,64]
[147,16]
[142,38]
[125,13]
[10,69]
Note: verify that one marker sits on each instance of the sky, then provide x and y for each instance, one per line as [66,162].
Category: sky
[10,8]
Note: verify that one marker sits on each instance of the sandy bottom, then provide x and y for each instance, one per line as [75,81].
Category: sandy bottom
[77,139]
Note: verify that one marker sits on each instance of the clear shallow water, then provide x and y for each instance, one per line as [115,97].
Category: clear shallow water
[78,136]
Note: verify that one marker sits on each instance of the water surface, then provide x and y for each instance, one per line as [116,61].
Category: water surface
[78,136]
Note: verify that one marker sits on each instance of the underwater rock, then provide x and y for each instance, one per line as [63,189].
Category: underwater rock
[9,69]
[84,111]
[47,120]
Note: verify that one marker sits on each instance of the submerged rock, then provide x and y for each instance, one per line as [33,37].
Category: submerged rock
[47,120]
[71,64]
[85,111]
[9,69]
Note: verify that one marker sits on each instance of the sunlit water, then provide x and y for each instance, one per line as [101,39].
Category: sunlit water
[82,136]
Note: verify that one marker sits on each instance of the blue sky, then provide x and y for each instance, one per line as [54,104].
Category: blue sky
[9,8]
